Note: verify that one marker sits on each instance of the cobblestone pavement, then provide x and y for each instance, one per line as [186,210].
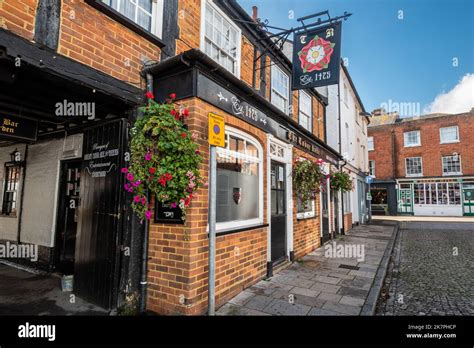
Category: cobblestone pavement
[431,271]
[319,285]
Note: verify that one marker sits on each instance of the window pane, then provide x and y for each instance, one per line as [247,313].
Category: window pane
[238,182]
[449,134]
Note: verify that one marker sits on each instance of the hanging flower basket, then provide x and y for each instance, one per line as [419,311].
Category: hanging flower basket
[307,177]
[340,180]
[164,159]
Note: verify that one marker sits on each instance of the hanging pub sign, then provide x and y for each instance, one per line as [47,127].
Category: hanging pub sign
[316,56]
[17,128]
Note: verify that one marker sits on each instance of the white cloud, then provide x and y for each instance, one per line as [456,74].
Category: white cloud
[458,100]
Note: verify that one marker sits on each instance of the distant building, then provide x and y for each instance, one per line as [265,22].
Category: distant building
[422,165]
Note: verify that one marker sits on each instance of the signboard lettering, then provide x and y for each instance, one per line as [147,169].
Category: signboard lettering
[17,128]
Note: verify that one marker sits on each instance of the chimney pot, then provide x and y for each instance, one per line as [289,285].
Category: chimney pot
[254,13]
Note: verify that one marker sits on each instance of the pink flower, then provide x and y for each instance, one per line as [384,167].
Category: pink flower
[148,156]
[148,214]
[206,184]
[136,183]
[130,176]
[136,199]
[197,152]
[194,136]
[124,170]
[143,200]
[173,205]
[173,95]
[149,95]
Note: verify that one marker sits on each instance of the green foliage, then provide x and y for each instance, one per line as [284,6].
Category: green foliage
[307,177]
[164,159]
[341,181]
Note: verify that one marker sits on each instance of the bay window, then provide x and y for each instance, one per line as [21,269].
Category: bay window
[239,182]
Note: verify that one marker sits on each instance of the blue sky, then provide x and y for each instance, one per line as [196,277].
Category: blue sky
[403,60]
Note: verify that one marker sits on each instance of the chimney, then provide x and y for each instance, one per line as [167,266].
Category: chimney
[254,13]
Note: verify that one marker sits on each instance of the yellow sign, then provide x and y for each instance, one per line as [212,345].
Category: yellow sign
[216,130]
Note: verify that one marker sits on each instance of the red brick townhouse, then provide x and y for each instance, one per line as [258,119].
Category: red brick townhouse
[73,73]
[422,165]
[225,64]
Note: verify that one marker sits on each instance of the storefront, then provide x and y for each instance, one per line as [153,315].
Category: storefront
[436,196]
[62,144]
[384,197]
[261,224]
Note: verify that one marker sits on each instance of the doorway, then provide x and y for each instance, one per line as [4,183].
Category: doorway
[405,201]
[69,189]
[278,212]
[468,199]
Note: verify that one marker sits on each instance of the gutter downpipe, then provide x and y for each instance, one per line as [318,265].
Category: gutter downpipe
[144,268]
[340,142]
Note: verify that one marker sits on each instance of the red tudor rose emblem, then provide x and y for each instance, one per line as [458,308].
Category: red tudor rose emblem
[316,55]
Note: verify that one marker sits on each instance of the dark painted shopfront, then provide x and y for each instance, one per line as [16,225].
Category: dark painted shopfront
[83,224]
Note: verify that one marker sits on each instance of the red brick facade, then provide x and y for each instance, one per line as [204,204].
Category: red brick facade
[389,151]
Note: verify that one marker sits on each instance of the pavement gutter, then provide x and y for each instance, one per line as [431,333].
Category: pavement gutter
[371,302]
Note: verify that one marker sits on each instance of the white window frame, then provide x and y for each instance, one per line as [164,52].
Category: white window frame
[370,144]
[441,141]
[274,70]
[231,22]
[405,138]
[301,113]
[233,225]
[307,214]
[156,15]
[406,167]
[451,173]
[372,168]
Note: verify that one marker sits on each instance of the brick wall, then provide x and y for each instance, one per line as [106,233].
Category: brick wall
[178,254]
[87,36]
[94,39]
[382,153]
[18,16]
[306,232]
[430,150]
[347,221]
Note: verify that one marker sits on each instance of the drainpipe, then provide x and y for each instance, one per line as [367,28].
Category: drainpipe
[342,205]
[144,278]
[340,139]
[20,208]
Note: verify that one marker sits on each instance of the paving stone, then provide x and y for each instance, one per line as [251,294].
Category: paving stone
[309,301]
[280,307]
[305,292]
[353,292]
[258,302]
[342,308]
[328,280]
[321,311]
[329,297]
[352,301]
[242,298]
[325,287]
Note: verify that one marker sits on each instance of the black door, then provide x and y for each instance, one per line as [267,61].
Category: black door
[278,198]
[325,217]
[69,190]
[98,237]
